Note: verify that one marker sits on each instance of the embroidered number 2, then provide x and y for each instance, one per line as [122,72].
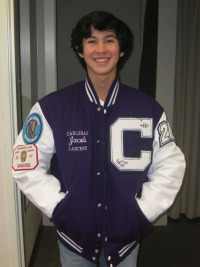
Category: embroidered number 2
[142,125]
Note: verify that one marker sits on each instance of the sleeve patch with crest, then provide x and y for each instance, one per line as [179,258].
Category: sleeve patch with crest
[25,157]
[32,129]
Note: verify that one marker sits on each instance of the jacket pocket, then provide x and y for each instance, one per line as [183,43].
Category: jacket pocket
[126,222]
[143,224]
[140,211]
[58,207]
[75,218]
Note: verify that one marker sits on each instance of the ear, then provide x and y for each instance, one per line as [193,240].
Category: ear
[121,54]
[80,54]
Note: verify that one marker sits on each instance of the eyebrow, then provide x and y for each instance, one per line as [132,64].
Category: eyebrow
[107,36]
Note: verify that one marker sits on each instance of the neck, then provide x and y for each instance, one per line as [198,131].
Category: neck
[102,85]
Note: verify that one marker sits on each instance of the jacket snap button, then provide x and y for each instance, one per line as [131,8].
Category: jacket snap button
[94,258]
[109,258]
[98,109]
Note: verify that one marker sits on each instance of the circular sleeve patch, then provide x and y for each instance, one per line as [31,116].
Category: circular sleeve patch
[32,129]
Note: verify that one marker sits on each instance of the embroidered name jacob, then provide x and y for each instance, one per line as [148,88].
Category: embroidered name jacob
[77,140]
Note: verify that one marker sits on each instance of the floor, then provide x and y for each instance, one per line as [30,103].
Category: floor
[175,245]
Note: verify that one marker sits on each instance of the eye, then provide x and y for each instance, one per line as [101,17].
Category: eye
[110,41]
[91,42]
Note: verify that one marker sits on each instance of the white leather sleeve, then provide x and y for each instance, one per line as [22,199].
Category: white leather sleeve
[165,175]
[42,189]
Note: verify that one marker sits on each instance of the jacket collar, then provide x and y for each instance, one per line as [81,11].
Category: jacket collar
[112,94]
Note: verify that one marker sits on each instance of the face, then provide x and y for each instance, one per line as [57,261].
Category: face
[101,53]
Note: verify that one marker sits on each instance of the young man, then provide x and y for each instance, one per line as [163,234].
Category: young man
[116,167]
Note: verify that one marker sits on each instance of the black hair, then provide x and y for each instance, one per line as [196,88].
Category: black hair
[101,21]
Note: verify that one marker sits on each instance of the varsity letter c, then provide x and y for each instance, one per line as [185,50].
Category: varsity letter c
[142,125]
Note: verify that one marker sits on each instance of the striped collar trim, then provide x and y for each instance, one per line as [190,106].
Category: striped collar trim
[89,92]
[112,95]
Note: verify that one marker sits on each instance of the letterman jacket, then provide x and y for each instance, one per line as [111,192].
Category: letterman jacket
[115,168]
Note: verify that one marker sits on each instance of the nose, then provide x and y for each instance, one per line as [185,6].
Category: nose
[101,47]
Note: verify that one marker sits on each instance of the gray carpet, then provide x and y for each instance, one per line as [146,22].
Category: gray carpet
[175,245]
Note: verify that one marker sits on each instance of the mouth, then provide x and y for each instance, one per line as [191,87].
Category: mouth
[101,60]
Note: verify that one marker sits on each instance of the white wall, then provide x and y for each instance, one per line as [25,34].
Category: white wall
[9,238]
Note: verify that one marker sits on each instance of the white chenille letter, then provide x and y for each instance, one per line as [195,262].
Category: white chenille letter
[142,125]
